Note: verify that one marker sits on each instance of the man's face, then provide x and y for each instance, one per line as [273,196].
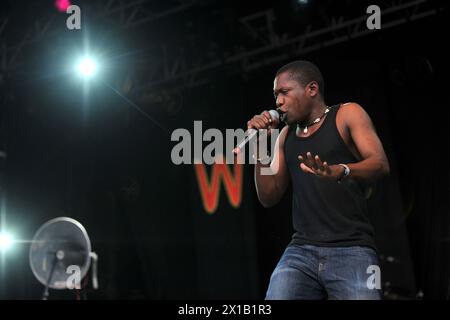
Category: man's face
[291,98]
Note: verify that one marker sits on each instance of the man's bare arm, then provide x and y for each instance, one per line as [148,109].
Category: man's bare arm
[271,180]
[374,163]
[271,187]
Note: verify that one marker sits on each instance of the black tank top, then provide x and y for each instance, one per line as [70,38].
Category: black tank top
[324,212]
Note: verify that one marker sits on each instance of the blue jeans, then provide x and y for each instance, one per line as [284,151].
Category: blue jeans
[311,273]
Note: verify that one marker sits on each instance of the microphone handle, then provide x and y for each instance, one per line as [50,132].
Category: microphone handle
[250,134]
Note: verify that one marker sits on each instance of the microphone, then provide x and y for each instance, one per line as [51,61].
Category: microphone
[276,116]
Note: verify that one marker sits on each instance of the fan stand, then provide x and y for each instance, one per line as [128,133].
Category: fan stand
[59,255]
[45,294]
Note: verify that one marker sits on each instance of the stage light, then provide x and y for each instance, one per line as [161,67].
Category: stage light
[5,241]
[62,5]
[86,67]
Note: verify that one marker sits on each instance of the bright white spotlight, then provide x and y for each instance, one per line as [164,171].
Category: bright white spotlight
[86,67]
[5,241]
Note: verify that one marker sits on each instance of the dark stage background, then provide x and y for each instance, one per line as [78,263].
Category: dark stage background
[94,157]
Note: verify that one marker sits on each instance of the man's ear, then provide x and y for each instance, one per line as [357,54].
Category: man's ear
[313,88]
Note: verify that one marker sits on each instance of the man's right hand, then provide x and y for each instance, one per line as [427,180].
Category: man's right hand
[262,121]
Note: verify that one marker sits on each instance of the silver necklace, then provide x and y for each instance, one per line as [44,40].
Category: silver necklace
[305,130]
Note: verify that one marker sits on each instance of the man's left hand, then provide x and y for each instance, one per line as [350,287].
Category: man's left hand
[314,165]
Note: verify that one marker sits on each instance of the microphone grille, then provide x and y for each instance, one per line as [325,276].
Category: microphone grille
[275,115]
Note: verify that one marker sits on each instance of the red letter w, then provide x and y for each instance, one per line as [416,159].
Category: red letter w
[210,190]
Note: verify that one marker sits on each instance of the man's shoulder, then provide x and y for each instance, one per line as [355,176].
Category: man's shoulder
[352,114]
[351,106]
[349,110]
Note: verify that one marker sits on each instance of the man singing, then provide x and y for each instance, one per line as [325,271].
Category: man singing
[329,154]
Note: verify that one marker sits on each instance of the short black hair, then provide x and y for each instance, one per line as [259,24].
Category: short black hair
[304,72]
